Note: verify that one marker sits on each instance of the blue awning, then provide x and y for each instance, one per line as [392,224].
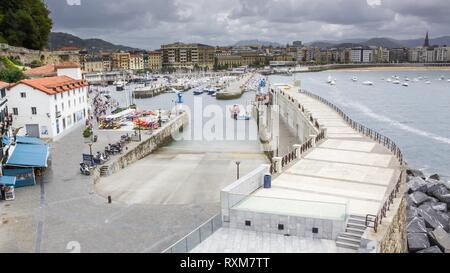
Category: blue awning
[8,180]
[28,155]
[25,140]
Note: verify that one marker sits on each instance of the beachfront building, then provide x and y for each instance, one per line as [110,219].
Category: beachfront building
[187,56]
[49,107]
[93,64]
[361,55]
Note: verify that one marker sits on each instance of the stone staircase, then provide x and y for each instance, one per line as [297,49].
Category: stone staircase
[351,238]
[104,170]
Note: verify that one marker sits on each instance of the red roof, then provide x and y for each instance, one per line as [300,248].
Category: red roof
[52,85]
[46,70]
[3,84]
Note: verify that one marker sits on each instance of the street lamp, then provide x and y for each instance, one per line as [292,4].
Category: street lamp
[237,169]
[90,148]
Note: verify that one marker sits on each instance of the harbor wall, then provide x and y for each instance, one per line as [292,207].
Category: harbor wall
[157,140]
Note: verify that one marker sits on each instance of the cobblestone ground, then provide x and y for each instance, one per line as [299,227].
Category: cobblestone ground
[61,213]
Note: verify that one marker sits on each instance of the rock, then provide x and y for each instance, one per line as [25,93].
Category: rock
[418,241]
[417,184]
[433,218]
[430,184]
[440,237]
[415,173]
[409,201]
[419,197]
[441,192]
[435,177]
[433,249]
[416,225]
[411,213]
[436,205]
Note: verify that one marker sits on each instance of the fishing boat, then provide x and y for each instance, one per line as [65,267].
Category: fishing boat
[405,84]
[368,83]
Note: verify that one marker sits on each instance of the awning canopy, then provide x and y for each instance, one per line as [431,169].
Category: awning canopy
[8,180]
[25,140]
[28,155]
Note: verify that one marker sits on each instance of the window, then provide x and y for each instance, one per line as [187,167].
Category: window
[3,92]
[56,108]
[74,102]
[69,103]
[56,98]
[23,95]
[62,95]
[33,111]
[15,111]
[62,106]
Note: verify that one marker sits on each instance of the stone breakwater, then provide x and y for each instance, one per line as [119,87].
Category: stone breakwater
[427,213]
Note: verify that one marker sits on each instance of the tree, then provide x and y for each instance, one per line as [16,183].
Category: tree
[9,72]
[25,23]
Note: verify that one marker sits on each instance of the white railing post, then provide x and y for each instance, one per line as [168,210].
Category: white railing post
[313,140]
[297,149]
[278,167]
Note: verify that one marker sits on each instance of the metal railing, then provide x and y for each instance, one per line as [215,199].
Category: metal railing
[372,221]
[193,239]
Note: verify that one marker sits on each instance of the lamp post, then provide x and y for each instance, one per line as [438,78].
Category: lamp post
[237,168]
[90,149]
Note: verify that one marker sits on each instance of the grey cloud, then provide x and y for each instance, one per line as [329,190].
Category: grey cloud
[149,23]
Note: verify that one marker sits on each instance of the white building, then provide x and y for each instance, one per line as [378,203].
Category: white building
[136,62]
[360,55]
[3,101]
[50,107]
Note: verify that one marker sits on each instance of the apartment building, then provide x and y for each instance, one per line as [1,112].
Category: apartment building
[3,101]
[187,56]
[361,55]
[136,61]
[121,60]
[155,60]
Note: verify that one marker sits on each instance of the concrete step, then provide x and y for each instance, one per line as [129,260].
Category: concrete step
[351,235]
[359,217]
[357,221]
[348,245]
[354,230]
[356,225]
[344,239]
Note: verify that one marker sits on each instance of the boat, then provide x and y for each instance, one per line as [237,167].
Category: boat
[198,92]
[389,80]
[405,84]
[355,79]
[333,82]
[428,82]
[406,79]
[120,85]
[329,80]
[396,82]
[368,83]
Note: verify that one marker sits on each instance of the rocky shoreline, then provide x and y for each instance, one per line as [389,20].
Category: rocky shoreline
[428,216]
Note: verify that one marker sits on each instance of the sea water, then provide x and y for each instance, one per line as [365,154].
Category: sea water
[416,117]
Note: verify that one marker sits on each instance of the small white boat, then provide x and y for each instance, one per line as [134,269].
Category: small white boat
[368,83]
[448,80]
[405,84]
[428,82]
[333,82]
[329,80]
[355,79]
[442,78]
[406,79]
[389,80]
[396,82]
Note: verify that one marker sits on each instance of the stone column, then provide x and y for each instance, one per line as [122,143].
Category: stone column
[278,167]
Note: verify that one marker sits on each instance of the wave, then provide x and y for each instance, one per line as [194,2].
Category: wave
[370,113]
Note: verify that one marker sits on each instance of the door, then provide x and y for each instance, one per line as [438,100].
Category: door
[32,130]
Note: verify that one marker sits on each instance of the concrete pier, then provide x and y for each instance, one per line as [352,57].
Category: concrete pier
[234,90]
[149,91]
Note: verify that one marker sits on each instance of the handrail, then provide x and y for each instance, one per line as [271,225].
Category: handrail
[372,221]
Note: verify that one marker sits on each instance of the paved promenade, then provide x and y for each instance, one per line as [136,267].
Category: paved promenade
[346,168]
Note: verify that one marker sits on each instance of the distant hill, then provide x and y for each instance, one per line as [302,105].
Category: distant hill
[59,40]
[383,42]
[258,43]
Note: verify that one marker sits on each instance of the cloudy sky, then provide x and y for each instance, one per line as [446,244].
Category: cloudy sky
[149,23]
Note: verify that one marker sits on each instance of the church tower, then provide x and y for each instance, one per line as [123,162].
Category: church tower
[427,41]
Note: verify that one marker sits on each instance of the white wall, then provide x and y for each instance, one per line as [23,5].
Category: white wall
[74,73]
[46,112]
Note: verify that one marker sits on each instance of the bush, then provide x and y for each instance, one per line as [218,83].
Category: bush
[87,133]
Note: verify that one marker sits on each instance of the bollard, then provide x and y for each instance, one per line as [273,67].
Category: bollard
[109,199]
